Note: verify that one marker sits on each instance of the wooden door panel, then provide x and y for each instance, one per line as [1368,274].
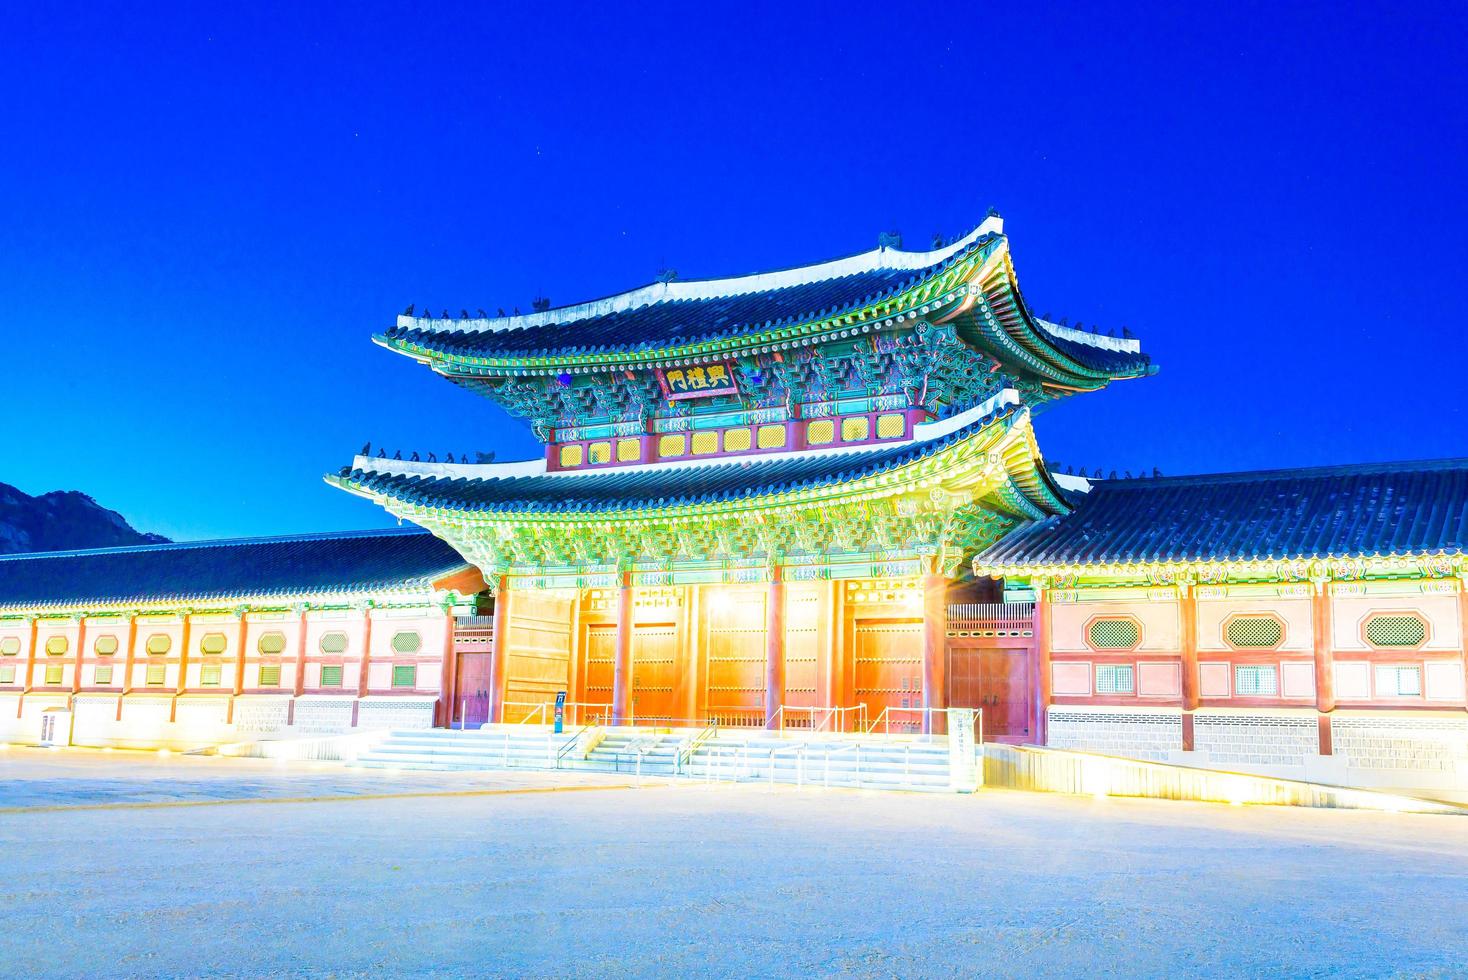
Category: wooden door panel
[888,671]
[475,674]
[596,685]
[654,673]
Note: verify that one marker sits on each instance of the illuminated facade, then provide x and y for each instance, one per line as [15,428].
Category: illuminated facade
[803,499]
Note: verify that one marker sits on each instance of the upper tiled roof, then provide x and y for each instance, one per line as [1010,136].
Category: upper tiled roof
[687,312]
[659,486]
[1323,512]
[315,564]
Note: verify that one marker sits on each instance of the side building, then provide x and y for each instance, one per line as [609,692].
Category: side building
[1302,623]
[182,645]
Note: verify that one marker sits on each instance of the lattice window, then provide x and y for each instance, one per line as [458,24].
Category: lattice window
[1115,679]
[213,643]
[102,675]
[269,675]
[599,452]
[673,445]
[629,450]
[736,440]
[406,642]
[158,644]
[1114,634]
[209,675]
[1395,631]
[7,675]
[53,674]
[1255,631]
[858,428]
[334,642]
[105,646]
[705,443]
[571,455]
[1256,681]
[56,646]
[271,643]
[1398,681]
[891,426]
[155,676]
[331,675]
[770,436]
[404,675]
[822,432]
[9,646]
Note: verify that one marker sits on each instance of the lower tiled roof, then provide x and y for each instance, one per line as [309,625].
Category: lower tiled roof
[313,564]
[1333,511]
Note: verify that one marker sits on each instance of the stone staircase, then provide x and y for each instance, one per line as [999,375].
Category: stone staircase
[727,756]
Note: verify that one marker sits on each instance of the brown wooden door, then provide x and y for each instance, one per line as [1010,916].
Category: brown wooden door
[471,702]
[596,683]
[995,681]
[1004,693]
[654,652]
[888,672]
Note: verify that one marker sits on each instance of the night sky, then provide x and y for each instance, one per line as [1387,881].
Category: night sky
[205,214]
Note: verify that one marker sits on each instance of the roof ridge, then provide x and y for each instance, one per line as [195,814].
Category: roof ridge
[1292,472]
[881,257]
[220,543]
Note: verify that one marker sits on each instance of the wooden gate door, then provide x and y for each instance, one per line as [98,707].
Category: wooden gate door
[475,674]
[654,654]
[889,672]
[1004,691]
[596,679]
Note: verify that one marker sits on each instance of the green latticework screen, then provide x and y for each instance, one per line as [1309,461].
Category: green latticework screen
[1255,631]
[1113,634]
[406,642]
[1395,631]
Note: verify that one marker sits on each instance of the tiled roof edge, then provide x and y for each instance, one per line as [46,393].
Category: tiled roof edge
[221,543]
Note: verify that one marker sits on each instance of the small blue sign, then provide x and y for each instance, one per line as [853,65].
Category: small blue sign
[560,712]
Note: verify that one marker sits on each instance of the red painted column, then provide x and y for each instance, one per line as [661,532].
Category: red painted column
[30,667]
[239,663]
[1463,629]
[1187,606]
[366,662]
[622,662]
[935,628]
[1321,626]
[183,664]
[448,677]
[129,660]
[1042,665]
[774,647]
[499,650]
[81,648]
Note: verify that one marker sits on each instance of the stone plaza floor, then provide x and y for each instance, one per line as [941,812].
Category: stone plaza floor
[607,879]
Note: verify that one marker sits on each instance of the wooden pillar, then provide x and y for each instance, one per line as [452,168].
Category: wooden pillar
[1042,675]
[690,677]
[622,659]
[827,643]
[573,660]
[183,664]
[935,630]
[1187,607]
[1322,626]
[129,661]
[239,662]
[774,647]
[299,688]
[499,650]
[81,648]
[447,675]
[1463,631]
[365,664]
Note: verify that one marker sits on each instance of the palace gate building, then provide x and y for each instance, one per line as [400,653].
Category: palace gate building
[810,498]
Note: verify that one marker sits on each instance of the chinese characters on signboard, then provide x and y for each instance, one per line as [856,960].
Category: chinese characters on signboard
[697,381]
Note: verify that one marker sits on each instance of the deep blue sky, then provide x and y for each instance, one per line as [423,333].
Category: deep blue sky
[205,213]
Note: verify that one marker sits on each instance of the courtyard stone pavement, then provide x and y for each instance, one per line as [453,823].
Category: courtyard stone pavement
[126,864]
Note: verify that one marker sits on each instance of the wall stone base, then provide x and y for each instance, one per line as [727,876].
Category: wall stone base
[1424,754]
